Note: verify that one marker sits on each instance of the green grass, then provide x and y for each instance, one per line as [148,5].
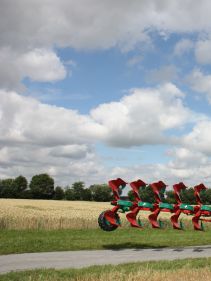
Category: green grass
[22,241]
[121,272]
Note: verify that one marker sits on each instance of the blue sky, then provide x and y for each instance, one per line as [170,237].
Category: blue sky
[106,90]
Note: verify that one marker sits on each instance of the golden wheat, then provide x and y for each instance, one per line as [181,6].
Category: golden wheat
[50,214]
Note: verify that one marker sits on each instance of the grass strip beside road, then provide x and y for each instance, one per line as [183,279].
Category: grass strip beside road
[185,270]
[29,241]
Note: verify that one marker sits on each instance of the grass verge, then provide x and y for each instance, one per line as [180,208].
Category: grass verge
[179,270]
[22,241]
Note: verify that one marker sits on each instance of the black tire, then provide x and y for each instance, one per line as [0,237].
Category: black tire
[104,224]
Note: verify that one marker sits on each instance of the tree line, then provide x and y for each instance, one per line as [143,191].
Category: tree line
[42,187]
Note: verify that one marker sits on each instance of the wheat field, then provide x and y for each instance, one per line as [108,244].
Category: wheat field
[49,214]
[52,214]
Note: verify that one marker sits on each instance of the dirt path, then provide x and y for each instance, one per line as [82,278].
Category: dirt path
[78,259]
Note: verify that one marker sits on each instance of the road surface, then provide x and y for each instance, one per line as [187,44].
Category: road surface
[78,259]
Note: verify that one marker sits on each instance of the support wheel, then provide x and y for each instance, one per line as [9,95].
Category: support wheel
[105,224]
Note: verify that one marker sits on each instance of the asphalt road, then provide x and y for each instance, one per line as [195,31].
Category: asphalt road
[78,259]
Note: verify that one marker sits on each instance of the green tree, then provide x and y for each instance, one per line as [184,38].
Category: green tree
[69,194]
[101,192]
[20,184]
[87,195]
[59,193]
[7,188]
[78,192]
[78,189]
[42,186]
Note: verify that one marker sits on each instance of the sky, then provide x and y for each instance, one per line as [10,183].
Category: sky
[94,90]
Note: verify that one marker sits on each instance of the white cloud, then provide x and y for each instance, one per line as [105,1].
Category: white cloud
[202,51]
[28,160]
[96,24]
[163,74]
[27,120]
[143,116]
[199,138]
[36,137]
[183,46]
[42,65]
[150,111]
[186,157]
[74,151]
[189,164]
[200,83]
[186,164]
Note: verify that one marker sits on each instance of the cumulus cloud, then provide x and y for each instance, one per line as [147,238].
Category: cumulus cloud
[189,164]
[183,46]
[202,51]
[150,111]
[200,137]
[74,151]
[36,137]
[143,116]
[101,24]
[170,175]
[24,119]
[65,167]
[42,65]
[186,164]
[163,74]
[184,157]
[200,82]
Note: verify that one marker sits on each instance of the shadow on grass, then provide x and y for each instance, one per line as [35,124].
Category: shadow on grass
[131,245]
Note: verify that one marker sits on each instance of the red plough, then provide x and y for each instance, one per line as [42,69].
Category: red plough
[109,220]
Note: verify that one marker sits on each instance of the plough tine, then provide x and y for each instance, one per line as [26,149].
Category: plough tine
[132,218]
[153,219]
[197,223]
[175,220]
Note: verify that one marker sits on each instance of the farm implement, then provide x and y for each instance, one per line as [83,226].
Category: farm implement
[109,220]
